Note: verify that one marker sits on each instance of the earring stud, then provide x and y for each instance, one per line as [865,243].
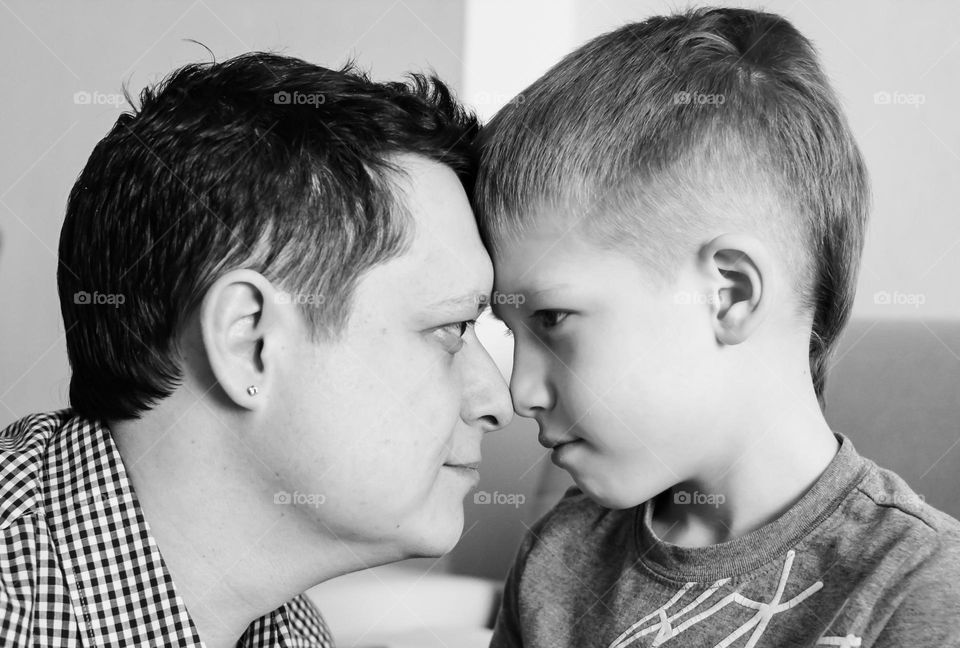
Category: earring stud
[252,390]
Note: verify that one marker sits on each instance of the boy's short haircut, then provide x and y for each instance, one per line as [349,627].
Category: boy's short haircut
[263,162]
[643,131]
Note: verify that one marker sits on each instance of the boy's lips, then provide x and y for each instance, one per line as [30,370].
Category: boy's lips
[552,443]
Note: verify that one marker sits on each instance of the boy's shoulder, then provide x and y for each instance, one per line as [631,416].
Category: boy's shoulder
[889,492]
[913,548]
[892,514]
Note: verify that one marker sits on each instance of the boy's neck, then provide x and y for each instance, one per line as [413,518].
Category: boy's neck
[756,483]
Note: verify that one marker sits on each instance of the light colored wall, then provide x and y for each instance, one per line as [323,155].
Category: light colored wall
[51,50]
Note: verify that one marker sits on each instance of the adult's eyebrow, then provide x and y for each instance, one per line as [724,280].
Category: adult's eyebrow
[477,300]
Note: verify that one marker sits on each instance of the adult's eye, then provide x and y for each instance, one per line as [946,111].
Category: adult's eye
[451,335]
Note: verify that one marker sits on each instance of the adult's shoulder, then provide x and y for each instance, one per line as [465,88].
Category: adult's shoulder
[23,450]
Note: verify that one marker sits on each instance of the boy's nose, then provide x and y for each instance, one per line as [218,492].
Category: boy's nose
[528,388]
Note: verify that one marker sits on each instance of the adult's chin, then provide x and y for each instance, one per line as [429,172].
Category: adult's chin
[436,534]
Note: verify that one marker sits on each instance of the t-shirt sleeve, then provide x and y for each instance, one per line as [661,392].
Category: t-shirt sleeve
[506,631]
[928,614]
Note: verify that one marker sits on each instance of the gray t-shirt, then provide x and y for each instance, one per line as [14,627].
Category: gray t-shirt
[860,560]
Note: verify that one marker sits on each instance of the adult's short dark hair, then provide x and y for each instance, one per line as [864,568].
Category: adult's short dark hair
[652,136]
[263,162]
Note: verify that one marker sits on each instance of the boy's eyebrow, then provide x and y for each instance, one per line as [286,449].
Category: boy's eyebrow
[532,294]
[548,290]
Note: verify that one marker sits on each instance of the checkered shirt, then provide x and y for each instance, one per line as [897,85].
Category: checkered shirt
[78,565]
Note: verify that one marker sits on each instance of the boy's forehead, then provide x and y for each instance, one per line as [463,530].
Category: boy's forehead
[540,243]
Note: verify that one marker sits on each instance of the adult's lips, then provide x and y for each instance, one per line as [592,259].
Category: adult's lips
[472,465]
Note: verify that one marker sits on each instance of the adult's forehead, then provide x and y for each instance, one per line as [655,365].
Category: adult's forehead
[445,258]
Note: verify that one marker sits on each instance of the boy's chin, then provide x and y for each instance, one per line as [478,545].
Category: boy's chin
[611,498]
[615,502]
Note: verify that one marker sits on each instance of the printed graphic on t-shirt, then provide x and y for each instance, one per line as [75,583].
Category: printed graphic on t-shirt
[665,626]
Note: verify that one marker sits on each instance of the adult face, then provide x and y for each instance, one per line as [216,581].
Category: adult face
[379,430]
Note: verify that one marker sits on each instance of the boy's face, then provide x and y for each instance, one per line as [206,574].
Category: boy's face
[615,368]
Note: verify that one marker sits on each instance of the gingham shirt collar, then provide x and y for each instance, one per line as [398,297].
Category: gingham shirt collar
[66,498]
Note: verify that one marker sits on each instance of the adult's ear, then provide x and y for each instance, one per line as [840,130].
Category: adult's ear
[243,329]
[738,269]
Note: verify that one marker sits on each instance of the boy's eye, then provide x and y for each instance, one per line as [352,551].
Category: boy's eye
[451,335]
[548,319]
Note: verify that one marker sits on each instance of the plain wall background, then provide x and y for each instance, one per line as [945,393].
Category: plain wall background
[490,50]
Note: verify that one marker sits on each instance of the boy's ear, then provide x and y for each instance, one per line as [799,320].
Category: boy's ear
[738,271]
[242,329]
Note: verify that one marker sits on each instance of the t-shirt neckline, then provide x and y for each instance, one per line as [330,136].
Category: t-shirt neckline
[750,551]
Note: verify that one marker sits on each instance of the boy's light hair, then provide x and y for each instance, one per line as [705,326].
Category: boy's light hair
[665,133]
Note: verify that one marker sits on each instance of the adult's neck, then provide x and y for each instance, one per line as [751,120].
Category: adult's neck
[234,554]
